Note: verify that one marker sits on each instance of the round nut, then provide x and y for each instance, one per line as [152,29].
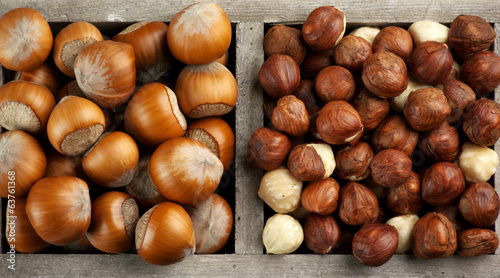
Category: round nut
[480,204]
[404,225]
[371,109]
[311,161]
[353,162]
[430,62]
[375,243]
[441,143]
[442,184]
[357,204]
[351,52]
[478,163]
[394,133]
[394,39]
[282,234]
[335,83]
[279,75]
[407,197]
[280,190]
[290,116]
[321,233]
[282,39]
[470,33]
[426,109]
[390,168]
[427,30]
[481,71]
[385,74]
[459,96]
[324,28]
[338,123]
[476,242]
[481,122]
[321,197]
[433,236]
[268,148]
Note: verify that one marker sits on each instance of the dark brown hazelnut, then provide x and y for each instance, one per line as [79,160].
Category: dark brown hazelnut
[290,116]
[353,162]
[394,39]
[459,96]
[279,75]
[321,233]
[407,197]
[390,167]
[282,39]
[357,204]
[481,72]
[321,197]
[442,184]
[311,161]
[375,243]
[476,242]
[440,144]
[394,133]
[481,122]
[453,214]
[314,63]
[351,52]
[433,236]
[426,109]
[385,74]
[335,83]
[307,93]
[430,62]
[269,105]
[338,123]
[371,109]
[324,28]
[479,204]
[268,148]
[470,33]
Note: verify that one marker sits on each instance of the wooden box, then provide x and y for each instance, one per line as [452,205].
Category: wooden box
[247,257]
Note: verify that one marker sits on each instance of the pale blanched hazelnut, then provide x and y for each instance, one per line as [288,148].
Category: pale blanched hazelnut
[366,32]
[404,224]
[282,234]
[398,102]
[311,161]
[280,190]
[478,163]
[427,30]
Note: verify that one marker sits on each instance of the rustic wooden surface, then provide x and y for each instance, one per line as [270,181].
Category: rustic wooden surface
[248,260]
[496,147]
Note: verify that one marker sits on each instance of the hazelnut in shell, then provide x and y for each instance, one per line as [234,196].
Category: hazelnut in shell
[351,52]
[394,132]
[335,83]
[372,109]
[407,197]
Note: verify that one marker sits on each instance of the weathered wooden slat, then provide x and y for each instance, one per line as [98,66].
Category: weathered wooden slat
[260,10]
[496,147]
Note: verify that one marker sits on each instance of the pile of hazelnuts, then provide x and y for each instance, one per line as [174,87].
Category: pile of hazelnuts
[379,141]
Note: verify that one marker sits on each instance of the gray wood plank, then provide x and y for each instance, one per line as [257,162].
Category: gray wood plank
[249,116]
[496,147]
[260,10]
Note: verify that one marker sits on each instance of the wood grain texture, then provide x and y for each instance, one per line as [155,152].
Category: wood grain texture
[374,11]
[496,147]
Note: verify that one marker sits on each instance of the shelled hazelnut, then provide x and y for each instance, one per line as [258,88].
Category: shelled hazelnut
[282,39]
[394,39]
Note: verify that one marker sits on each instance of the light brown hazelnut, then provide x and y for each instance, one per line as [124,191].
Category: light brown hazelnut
[306,92]
[476,242]
[394,133]
[280,190]
[481,122]
[480,204]
[407,197]
[470,34]
[404,225]
[314,63]
[290,116]
[427,30]
[430,62]
[282,39]
[351,52]
[375,243]
[478,163]
[459,96]
[321,233]
[311,161]
[390,167]
[385,74]
[440,144]
[366,32]
[371,109]
[338,123]
[433,236]
[324,28]
[481,71]
[442,184]
[321,197]
[357,204]
[335,83]
[353,162]
[279,75]
[394,39]
[426,109]
[282,234]
[268,148]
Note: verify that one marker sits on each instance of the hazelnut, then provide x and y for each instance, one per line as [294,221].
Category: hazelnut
[314,63]
[306,92]
[269,103]
[366,32]
[351,52]
[357,204]
[459,96]
[335,83]
[398,102]
[426,109]
[321,233]
[279,75]
[433,236]
[390,167]
[394,39]
[290,116]
[407,197]
[470,33]
[430,62]
[441,143]
[481,122]
[268,148]
[282,234]
[480,204]
[353,162]
[282,39]
[481,71]
[280,190]
[321,197]
[339,123]
[394,133]
[404,225]
[453,214]
[375,243]
[442,184]
[385,74]
[371,109]
[324,28]
[478,163]
[311,161]
[427,30]
[476,242]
